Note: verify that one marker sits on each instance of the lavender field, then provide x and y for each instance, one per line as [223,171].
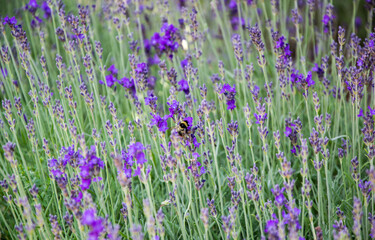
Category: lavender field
[176,119]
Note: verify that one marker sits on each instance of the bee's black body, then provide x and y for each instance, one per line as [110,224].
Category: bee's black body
[183,128]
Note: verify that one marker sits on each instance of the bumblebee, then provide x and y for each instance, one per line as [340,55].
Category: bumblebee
[182,128]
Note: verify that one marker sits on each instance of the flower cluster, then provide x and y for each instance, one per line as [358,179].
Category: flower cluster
[197,170]
[301,82]
[165,43]
[134,160]
[111,78]
[96,224]
[184,86]
[235,20]
[90,169]
[160,122]
[33,6]
[230,94]
[328,18]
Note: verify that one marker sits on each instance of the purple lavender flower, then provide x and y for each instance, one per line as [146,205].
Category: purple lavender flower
[309,80]
[205,217]
[184,63]
[189,120]
[357,216]
[237,47]
[280,42]
[174,108]
[46,9]
[57,167]
[184,86]
[136,151]
[291,219]
[272,228]
[328,18]
[151,81]
[301,82]
[197,170]
[325,19]
[142,68]
[365,187]
[165,44]
[371,219]
[160,122]
[113,69]
[235,21]
[261,116]
[136,155]
[288,131]
[195,142]
[229,93]
[340,231]
[95,224]
[10,21]
[279,195]
[36,22]
[197,165]
[128,84]
[110,80]
[32,6]
[56,228]
[74,158]
[256,38]
[371,111]
[150,100]
[9,148]
[318,70]
[4,72]
[136,232]
[211,205]
[90,169]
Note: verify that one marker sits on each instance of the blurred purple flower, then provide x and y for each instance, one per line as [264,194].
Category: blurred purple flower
[184,63]
[160,122]
[113,69]
[326,19]
[229,93]
[360,113]
[32,6]
[85,184]
[288,131]
[260,118]
[184,86]
[95,224]
[127,83]
[318,70]
[136,151]
[11,21]
[272,228]
[4,72]
[166,43]
[36,22]
[90,168]
[150,100]
[174,108]
[110,79]
[141,68]
[371,111]
[46,9]
[279,195]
